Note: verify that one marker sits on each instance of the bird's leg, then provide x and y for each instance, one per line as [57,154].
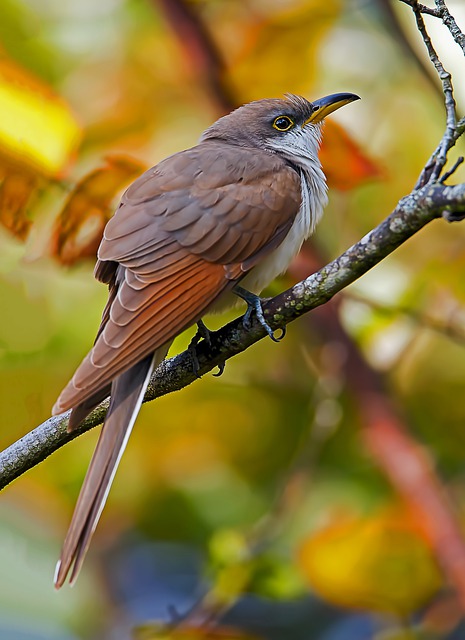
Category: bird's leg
[202,332]
[254,305]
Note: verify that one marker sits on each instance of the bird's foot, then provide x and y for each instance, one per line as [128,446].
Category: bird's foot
[254,305]
[203,332]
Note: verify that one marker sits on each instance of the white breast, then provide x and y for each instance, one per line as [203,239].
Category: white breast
[314,198]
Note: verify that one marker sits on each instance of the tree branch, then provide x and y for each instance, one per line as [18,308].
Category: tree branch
[411,214]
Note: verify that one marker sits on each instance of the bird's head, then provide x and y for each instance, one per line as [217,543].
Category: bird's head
[290,126]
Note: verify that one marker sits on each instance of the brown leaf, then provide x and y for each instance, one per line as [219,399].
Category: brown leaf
[344,162]
[16,192]
[78,229]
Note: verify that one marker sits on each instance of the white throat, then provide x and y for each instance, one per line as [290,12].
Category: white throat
[301,149]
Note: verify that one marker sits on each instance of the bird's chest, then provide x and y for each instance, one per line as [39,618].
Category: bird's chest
[276,263]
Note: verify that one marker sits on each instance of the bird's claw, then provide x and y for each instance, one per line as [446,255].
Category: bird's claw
[221,365]
[202,332]
[279,338]
[254,305]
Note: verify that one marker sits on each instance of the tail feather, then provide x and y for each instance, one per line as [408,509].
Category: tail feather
[82,410]
[127,392]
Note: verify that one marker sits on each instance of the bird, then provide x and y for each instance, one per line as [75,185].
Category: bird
[198,231]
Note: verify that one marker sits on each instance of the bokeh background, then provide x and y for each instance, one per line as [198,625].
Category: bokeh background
[273,502]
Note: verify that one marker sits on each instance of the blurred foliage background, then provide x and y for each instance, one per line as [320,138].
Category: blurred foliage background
[252,501]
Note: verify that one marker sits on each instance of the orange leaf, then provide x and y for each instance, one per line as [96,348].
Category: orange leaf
[78,229]
[345,164]
[16,191]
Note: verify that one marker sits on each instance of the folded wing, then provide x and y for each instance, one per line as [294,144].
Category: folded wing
[185,232]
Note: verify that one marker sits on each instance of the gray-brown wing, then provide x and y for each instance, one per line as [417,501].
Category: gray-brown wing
[222,203]
[181,237]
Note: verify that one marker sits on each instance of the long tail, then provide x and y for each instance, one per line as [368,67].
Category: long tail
[127,392]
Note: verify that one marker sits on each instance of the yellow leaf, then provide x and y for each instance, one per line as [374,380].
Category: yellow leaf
[383,563]
[37,129]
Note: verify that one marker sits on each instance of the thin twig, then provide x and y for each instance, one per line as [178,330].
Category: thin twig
[435,165]
[422,8]
[460,128]
[455,166]
[451,24]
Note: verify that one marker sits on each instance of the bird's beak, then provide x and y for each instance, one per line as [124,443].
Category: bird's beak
[324,106]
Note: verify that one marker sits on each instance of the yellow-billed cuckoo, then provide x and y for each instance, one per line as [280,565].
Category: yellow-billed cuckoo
[233,209]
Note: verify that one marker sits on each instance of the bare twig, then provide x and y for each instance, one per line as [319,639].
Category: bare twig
[422,8]
[455,166]
[450,22]
[460,128]
[435,165]
[454,129]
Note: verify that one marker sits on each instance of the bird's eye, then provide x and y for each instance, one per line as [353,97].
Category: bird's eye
[283,123]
